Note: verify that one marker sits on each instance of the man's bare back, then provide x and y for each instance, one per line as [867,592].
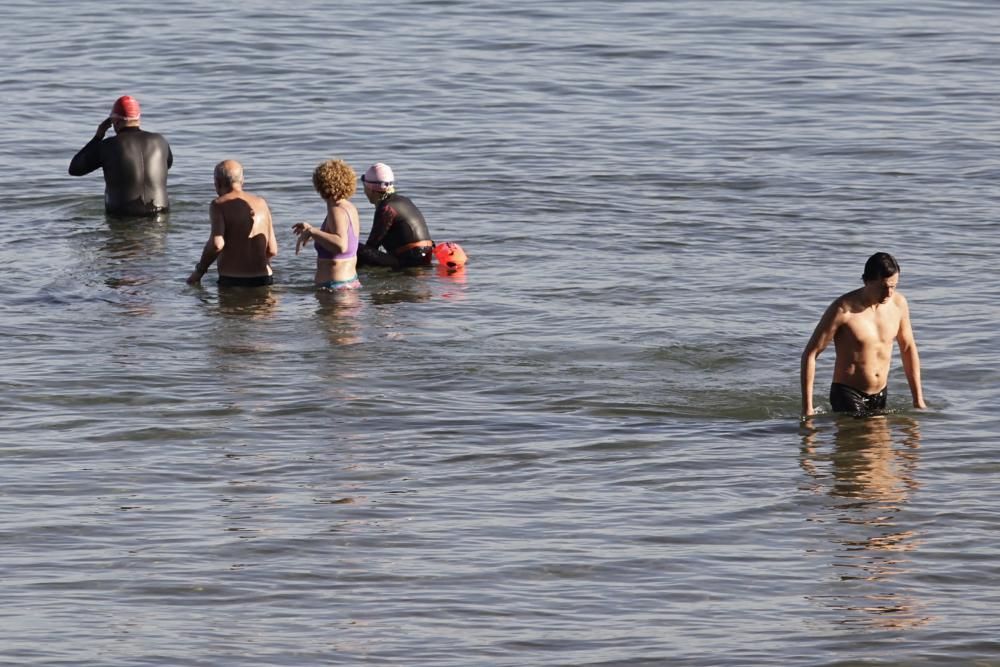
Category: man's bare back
[242,236]
[245,223]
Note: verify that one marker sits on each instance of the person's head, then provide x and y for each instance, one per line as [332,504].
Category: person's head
[881,276]
[125,112]
[228,176]
[335,180]
[379,182]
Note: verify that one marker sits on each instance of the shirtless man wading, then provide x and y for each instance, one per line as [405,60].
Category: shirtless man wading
[863,325]
[242,236]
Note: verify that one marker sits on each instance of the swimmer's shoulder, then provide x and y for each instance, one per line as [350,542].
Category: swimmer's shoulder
[843,303]
[850,302]
[900,303]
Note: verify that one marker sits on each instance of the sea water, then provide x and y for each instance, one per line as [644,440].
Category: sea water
[585,448]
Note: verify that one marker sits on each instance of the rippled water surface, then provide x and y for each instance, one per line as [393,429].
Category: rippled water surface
[582,450]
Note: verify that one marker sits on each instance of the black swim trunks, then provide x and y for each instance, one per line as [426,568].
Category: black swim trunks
[256,281]
[844,398]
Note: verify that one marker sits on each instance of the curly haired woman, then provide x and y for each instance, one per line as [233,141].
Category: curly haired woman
[336,239]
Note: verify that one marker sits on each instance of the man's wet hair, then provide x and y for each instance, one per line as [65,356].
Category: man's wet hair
[880,265]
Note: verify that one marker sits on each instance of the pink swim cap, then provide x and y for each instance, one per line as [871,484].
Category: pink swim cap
[126,107]
[378,176]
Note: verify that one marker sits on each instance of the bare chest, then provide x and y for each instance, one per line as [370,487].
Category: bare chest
[872,326]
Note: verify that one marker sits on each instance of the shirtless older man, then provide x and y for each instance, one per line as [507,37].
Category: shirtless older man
[242,236]
[863,325]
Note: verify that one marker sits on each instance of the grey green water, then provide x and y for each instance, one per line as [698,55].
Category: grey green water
[585,449]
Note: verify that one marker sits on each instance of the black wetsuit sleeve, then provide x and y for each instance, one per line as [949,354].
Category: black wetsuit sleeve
[88,159]
[382,223]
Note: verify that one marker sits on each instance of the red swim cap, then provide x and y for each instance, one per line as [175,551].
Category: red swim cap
[126,107]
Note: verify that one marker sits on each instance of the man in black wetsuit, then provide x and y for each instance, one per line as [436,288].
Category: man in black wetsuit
[135,163]
[398,225]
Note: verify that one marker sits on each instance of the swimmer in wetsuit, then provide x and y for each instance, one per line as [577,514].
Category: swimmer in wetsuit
[135,163]
[863,325]
[336,239]
[242,236]
[398,226]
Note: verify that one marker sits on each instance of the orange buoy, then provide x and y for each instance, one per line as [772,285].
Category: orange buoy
[450,254]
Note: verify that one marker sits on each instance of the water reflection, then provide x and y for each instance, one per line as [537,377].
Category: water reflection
[255,303]
[409,294]
[454,280]
[414,285]
[236,315]
[411,285]
[866,471]
[338,314]
[128,238]
[122,258]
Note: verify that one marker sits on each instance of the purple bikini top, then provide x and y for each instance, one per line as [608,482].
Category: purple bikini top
[352,242]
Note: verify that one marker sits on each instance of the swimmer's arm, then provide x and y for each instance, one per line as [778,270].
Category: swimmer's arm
[213,247]
[380,227]
[272,240]
[335,241]
[88,159]
[821,337]
[911,359]
[272,244]
[332,242]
